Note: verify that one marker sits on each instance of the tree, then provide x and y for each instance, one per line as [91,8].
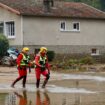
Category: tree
[99,4]
[102,5]
[4,45]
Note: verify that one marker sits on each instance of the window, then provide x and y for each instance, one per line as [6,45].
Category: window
[76,26]
[10,29]
[69,26]
[94,51]
[1,28]
[63,26]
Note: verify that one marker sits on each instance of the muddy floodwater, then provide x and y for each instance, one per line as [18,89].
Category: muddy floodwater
[67,89]
[62,89]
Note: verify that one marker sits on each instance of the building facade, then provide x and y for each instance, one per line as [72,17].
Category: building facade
[76,28]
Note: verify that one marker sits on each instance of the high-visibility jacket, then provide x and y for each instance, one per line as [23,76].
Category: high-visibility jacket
[23,60]
[41,61]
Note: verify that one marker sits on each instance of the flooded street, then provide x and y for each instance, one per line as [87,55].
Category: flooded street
[62,89]
[63,92]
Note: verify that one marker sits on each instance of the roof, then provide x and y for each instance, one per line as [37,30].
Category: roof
[60,9]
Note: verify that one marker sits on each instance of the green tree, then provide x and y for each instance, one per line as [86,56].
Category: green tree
[102,5]
[4,45]
[95,3]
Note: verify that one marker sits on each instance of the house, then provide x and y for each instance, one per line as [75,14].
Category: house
[65,27]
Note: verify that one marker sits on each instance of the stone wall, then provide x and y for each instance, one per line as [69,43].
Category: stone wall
[67,49]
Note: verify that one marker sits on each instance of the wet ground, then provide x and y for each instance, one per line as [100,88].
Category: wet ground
[62,89]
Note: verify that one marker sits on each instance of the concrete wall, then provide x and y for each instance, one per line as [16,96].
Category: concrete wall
[5,16]
[42,31]
[67,48]
[46,31]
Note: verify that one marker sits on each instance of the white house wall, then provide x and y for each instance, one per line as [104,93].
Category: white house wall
[6,16]
[46,31]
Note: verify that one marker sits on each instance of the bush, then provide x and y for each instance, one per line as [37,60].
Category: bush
[4,45]
[51,55]
[87,60]
[73,62]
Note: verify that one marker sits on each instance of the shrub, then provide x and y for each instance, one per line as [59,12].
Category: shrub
[51,55]
[4,45]
[73,62]
[87,60]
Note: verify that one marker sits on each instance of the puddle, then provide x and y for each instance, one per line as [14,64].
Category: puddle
[70,90]
[56,89]
[50,88]
[24,97]
[73,76]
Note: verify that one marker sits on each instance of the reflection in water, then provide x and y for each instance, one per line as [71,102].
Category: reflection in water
[77,99]
[45,101]
[64,101]
[10,99]
[77,84]
[22,98]
[18,98]
[77,96]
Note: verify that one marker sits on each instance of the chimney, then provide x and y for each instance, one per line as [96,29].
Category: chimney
[47,5]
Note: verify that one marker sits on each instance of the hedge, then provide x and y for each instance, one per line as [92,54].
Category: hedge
[4,45]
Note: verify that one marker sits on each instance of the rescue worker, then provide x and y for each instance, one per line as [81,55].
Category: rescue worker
[23,62]
[42,67]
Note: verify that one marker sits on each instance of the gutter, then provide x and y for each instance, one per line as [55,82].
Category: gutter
[9,8]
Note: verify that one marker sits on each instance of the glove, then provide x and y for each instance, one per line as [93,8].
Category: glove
[48,72]
[19,67]
[29,69]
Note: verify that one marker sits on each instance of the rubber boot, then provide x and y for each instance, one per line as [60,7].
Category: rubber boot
[44,84]
[24,81]
[16,81]
[37,83]
[46,80]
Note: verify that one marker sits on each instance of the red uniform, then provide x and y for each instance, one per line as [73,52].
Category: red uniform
[21,70]
[41,62]
[22,62]
[38,67]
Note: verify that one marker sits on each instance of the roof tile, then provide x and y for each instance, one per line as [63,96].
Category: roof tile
[60,9]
